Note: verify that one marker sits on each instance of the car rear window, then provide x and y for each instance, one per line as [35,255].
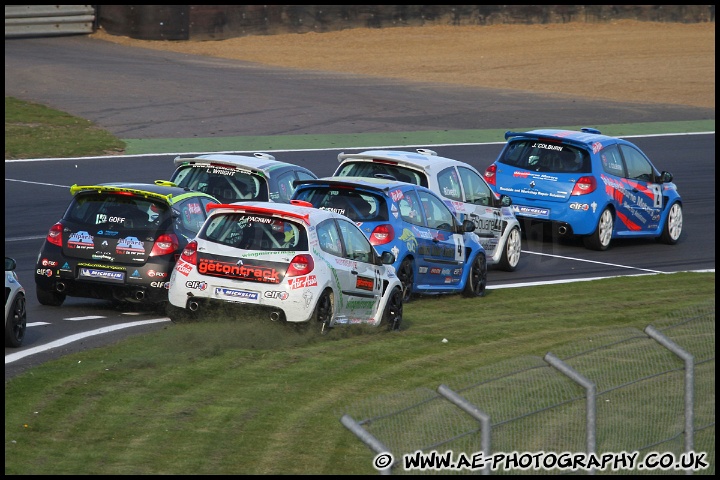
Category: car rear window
[357,205]
[228,185]
[255,232]
[118,212]
[546,156]
[382,170]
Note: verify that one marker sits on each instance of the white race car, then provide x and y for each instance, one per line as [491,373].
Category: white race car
[294,263]
[15,312]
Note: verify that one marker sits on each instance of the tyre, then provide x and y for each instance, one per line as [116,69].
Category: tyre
[511,253]
[477,277]
[16,323]
[600,239]
[49,298]
[392,316]
[323,314]
[673,225]
[406,275]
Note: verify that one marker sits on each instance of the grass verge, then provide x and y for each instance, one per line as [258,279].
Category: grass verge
[36,131]
[254,397]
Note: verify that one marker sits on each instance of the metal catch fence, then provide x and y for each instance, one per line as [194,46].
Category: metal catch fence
[623,392]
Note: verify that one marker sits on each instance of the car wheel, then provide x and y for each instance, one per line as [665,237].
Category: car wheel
[16,323]
[323,312]
[392,316]
[49,298]
[600,239]
[673,225]
[406,276]
[477,277]
[511,253]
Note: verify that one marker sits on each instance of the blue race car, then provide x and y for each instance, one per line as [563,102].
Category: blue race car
[434,252]
[586,184]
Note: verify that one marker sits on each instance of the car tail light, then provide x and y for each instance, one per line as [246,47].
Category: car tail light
[382,234]
[584,185]
[300,265]
[490,174]
[189,253]
[165,244]
[54,235]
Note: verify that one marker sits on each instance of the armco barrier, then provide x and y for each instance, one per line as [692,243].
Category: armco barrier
[48,20]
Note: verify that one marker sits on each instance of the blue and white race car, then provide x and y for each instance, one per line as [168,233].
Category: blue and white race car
[587,184]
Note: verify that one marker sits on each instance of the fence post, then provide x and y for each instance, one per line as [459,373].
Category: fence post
[478,415]
[590,393]
[689,360]
[375,445]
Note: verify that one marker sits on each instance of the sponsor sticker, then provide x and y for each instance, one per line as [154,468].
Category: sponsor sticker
[196,285]
[235,294]
[253,273]
[183,267]
[364,283]
[102,274]
[278,295]
[131,246]
[81,240]
[302,282]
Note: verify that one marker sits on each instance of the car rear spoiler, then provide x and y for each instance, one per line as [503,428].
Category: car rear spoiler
[240,207]
[342,183]
[110,189]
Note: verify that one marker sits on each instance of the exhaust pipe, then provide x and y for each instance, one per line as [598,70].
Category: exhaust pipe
[60,287]
[562,229]
[139,295]
[193,305]
[274,316]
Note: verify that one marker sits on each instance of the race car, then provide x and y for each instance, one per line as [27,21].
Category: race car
[460,185]
[290,263]
[588,185]
[118,242]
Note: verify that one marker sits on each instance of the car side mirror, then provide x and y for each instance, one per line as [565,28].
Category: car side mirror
[10,264]
[468,226]
[666,177]
[387,258]
[505,200]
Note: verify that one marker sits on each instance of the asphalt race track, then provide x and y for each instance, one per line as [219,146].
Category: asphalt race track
[143,94]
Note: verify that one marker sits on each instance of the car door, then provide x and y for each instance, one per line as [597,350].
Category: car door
[444,250]
[364,290]
[477,204]
[415,233]
[644,199]
[628,178]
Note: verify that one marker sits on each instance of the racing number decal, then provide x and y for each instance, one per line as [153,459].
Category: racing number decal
[459,247]
[657,194]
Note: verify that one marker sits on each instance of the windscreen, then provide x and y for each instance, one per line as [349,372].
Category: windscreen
[357,205]
[228,185]
[382,170]
[115,228]
[546,156]
[255,232]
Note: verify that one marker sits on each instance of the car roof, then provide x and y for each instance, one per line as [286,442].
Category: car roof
[297,209]
[424,158]
[259,161]
[168,193]
[383,184]
[586,137]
